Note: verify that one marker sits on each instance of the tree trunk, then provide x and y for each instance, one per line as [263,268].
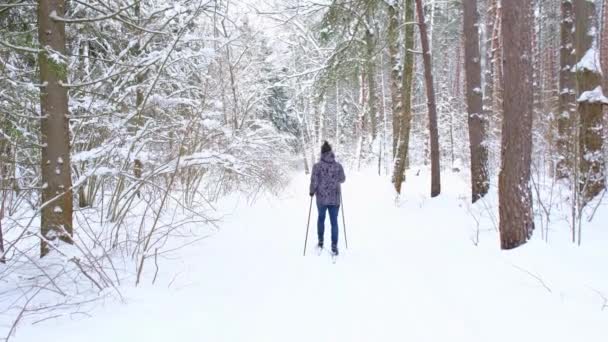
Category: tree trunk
[393,51]
[567,92]
[139,100]
[371,78]
[476,116]
[497,45]
[489,65]
[604,46]
[56,220]
[406,97]
[430,93]
[515,196]
[589,77]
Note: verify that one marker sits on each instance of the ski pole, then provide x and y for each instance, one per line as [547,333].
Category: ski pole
[307,225]
[343,222]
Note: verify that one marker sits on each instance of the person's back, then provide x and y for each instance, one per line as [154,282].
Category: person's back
[325,180]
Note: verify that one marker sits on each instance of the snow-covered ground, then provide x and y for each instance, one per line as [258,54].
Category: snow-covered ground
[413,272]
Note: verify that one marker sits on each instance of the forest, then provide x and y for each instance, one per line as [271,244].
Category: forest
[130,128]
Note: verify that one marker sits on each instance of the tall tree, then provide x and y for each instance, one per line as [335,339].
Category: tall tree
[56,170]
[497,44]
[488,95]
[432,107]
[589,77]
[406,96]
[476,116]
[370,68]
[604,45]
[393,52]
[515,196]
[567,93]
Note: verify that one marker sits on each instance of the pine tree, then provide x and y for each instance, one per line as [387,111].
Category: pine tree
[476,115]
[515,196]
[590,101]
[406,96]
[432,107]
[56,168]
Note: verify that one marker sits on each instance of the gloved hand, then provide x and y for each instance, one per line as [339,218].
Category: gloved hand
[312,194]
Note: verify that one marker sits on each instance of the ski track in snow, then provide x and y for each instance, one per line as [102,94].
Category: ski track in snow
[412,273]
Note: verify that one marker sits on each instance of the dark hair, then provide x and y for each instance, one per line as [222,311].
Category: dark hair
[326,147]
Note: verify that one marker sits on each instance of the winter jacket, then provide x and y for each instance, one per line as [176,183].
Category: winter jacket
[325,180]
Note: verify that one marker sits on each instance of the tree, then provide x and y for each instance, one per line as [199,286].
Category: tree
[370,68]
[476,115]
[604,44]
[406,97]
[567,92]
[432,107]
[590,101]
[515,196]
[393,52]
[55,163]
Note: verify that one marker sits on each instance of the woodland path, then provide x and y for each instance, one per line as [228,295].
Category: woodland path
[412,273]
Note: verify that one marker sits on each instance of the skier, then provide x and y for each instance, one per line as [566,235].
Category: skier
[325,180]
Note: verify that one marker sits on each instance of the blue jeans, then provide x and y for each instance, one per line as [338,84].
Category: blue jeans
[333,218]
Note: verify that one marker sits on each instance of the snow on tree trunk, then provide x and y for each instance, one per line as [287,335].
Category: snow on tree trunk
[371,78]
[497,45]
[432,107]
[406,97]
[393,51]
[488,72]
[567,92]
[476,116]
[56,218]
[590,101]
[139,101]
[604,56]
[515,196]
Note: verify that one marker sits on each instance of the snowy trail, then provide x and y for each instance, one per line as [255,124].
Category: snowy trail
[411,273]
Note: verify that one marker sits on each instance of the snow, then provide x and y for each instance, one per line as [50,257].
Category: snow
[418,269]
[594,96]
[590,61]
[57,210]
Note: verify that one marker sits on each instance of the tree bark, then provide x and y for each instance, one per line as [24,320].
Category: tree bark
[406,98]
[488,96]
[371,77]
[589,77]
[139,101]
[567,92]
[515,196]
[393,51]
[497,45]
[56,220]
[604,48]
[476,116]
[430,93]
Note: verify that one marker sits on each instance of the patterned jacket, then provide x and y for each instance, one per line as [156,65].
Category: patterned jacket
[325,180]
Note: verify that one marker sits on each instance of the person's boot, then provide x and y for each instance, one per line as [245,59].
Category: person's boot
[334,250]
[319,248]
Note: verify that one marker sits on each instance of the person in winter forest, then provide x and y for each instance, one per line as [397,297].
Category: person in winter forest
[325,180]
